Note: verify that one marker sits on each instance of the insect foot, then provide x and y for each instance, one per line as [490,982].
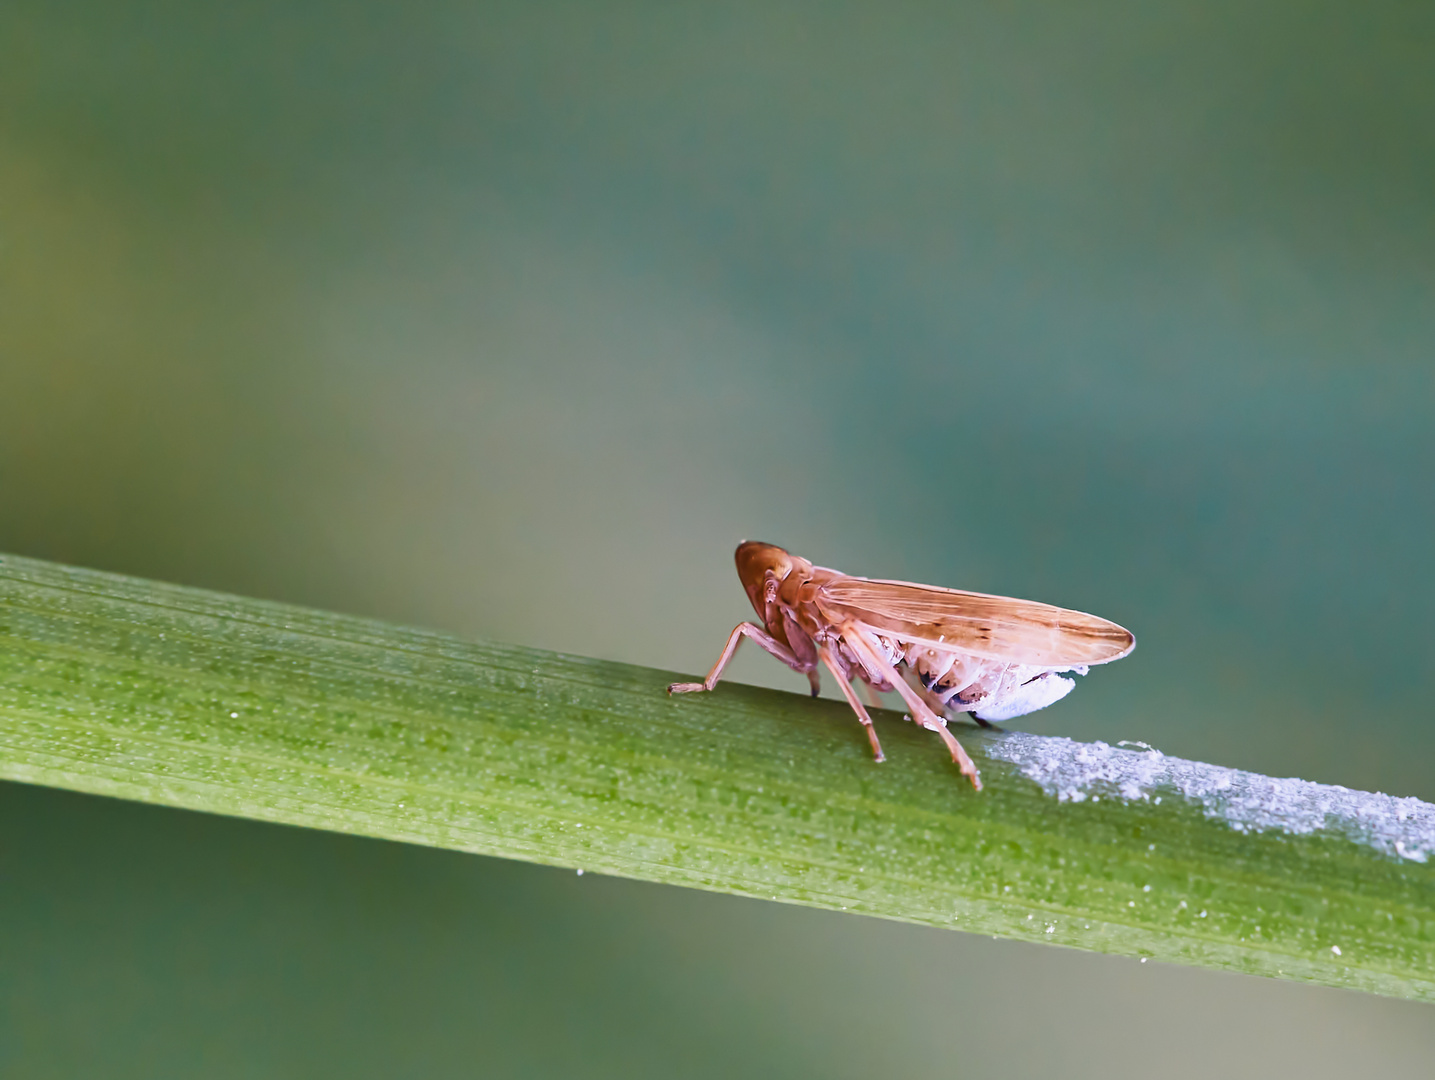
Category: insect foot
[964,763]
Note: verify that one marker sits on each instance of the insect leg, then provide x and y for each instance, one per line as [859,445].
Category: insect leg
[969,711]
[933,700]
[870,692]
[856,705]
[747,629]
[873,661]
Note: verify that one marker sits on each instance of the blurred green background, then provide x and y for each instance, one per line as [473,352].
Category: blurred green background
[511,319]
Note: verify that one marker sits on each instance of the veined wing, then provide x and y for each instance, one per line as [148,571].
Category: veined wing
[991,627]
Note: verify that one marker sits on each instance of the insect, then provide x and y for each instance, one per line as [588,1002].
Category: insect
[961,652]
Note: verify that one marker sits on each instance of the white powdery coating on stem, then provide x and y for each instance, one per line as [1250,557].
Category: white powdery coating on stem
[1248,802]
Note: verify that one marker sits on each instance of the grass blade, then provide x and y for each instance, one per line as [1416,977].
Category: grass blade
[188,698]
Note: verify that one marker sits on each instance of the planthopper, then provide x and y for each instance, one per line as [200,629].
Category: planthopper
[945,651]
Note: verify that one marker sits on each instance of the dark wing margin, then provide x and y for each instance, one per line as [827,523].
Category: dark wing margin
[991,627]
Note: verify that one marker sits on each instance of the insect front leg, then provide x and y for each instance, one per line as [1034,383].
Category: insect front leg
[872,659]
[832,666]
[759,635]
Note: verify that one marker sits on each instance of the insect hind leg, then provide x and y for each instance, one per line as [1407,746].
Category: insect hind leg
[926,693]
[870,658]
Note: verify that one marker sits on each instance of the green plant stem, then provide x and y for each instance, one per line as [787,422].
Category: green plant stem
[193,699]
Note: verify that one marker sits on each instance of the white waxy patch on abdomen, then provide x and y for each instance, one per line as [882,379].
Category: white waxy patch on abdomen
[1247,802]
[1028,697]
